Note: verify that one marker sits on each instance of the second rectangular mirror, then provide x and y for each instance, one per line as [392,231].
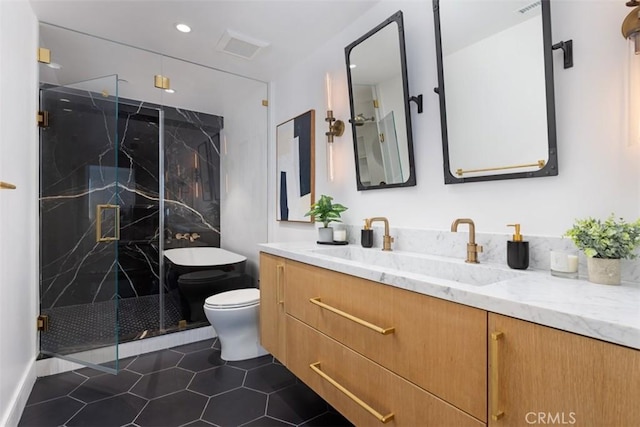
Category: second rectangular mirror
[379,98]
[495,78]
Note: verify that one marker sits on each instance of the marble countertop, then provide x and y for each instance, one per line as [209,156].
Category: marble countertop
[608,313]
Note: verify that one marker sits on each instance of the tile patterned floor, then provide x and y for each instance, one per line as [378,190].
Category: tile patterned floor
[183,386]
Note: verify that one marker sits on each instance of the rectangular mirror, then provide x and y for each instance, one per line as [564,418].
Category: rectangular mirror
[379,99]
[495,83]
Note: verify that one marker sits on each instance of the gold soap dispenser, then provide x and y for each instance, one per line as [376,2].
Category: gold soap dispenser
[517,250]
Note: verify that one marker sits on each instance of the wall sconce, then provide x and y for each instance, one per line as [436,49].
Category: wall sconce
[336,128]
[631,25]
[631,32]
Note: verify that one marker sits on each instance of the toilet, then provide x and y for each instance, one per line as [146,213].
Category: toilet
[234,316]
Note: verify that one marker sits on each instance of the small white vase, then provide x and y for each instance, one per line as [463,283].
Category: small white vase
[325,234]
[604,271]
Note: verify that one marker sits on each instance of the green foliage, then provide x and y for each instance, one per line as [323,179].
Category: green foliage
[609,239]
[325,211]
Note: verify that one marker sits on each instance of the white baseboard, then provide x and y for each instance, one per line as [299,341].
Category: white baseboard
[55,365]
[20,398]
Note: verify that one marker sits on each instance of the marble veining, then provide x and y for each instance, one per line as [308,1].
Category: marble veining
[609,313]
[90,156]
[454,245]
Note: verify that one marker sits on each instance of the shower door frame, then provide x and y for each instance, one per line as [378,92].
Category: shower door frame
[97,356]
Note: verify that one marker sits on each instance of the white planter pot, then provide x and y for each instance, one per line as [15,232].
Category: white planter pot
[604,271]
[325,234]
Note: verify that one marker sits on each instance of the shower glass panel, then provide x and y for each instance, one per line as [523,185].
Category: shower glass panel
[390,151]
[80,203]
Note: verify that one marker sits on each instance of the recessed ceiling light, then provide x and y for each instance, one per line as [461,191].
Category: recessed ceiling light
[170,91]
[352,65]
[54,65]
[183,28]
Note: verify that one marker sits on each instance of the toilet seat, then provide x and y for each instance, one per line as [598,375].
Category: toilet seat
[233,299]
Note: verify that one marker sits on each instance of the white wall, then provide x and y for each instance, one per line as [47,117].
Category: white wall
[599,172]
[243,188]
[18,208]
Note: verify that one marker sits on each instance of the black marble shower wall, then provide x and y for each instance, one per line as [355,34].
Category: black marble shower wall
[79,168]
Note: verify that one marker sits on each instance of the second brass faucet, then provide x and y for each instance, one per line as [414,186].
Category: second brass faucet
[472,247]
[386,239]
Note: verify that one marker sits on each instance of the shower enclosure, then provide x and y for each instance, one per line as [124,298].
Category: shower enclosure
[121,174]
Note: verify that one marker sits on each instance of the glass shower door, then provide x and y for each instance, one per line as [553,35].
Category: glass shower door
[80,222]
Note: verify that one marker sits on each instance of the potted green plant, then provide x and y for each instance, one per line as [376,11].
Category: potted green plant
[325,211]
[605,243]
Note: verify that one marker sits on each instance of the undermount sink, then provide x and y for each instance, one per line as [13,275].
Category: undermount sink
[422,264]
[202,256]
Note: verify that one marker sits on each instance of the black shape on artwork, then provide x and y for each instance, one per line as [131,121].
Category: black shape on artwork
[302,130]
[284,206]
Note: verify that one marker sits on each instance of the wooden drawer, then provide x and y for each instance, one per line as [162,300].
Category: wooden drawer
[375,386]
[439,345]
[272,314]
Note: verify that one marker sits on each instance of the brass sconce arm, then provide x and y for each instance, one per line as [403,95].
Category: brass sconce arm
[336,127]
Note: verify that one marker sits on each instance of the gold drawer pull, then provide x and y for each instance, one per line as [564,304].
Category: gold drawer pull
[384,331]
[496,413]
[279,283]
[382,418]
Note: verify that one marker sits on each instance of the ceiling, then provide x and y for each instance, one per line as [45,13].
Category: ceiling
[293,29]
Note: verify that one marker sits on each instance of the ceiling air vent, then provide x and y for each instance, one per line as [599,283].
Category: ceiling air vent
[529,7]
[240,45]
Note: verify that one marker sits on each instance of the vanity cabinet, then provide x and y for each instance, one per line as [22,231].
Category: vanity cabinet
[421,358]
[541,375]
[272,314]
[372,350]
[438,345]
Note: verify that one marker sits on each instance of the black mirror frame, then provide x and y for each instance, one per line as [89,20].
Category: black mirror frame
[411,181]
[551,167]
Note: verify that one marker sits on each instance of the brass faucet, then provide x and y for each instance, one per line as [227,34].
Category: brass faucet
[186,236]
[472,247]
[386,239]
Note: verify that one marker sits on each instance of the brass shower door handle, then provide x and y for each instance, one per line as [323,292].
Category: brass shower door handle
[99,237]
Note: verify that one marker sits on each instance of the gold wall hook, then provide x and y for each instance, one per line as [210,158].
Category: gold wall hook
[6,186]
[161,82]
[44,55]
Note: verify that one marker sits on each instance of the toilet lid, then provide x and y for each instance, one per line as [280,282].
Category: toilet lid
[234,299]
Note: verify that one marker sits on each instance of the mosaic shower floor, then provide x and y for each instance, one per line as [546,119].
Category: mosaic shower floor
[83,327]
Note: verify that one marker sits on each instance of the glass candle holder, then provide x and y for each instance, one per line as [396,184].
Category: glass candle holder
[339,235]
[564,264]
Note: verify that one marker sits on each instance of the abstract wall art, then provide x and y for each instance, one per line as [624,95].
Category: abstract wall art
[295,167]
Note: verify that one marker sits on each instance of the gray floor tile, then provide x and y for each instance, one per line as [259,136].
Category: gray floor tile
[172,410]
[104,386]
[235,407]
[50,413]
[155,361]
[161,383]
[217,380]
[114,411]
[201,360]
[269,378]
[203,390]
[54,386]
[296,404]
